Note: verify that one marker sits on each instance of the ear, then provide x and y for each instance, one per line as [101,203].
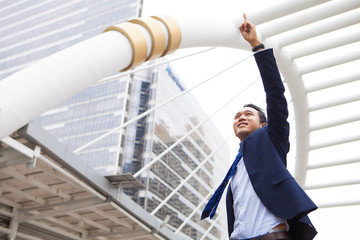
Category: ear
[263,124]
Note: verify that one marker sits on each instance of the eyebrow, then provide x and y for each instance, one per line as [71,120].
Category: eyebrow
[245,111]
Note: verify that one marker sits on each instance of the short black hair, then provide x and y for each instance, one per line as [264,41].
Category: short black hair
[262,115]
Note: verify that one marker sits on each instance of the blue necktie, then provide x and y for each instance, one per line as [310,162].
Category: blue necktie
[211,206]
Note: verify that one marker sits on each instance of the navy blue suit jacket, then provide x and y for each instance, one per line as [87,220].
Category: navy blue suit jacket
[264,153]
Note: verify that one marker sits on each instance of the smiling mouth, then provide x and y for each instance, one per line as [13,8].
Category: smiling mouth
[241,124]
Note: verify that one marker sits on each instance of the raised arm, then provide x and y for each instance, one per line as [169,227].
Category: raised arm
[277,111]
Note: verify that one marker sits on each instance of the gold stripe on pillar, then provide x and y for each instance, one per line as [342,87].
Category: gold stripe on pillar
[157,34]
[137,41]
[174,33]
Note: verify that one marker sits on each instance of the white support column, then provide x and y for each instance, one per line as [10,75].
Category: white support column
[300,103]
[14,224]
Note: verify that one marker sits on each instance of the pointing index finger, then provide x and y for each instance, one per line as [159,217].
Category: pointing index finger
[245,18]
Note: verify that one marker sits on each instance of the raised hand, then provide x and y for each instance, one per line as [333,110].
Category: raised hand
[248,31]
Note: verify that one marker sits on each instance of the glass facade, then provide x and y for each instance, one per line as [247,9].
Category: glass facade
[31,30]
[172,122]
[88,115]
[34,29]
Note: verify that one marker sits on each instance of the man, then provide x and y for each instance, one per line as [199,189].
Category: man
[263,201]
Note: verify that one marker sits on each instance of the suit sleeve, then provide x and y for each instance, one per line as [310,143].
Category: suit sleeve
[277,111]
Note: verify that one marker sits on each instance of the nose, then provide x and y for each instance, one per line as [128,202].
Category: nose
[241,117]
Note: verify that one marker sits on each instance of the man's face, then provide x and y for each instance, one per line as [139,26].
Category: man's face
[246,121]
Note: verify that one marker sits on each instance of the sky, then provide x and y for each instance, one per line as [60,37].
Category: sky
[193,70]
[331,223]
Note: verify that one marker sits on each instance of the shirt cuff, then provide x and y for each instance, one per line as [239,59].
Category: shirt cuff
[260,50]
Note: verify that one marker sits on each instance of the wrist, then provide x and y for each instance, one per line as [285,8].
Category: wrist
[255,43]
[258,47]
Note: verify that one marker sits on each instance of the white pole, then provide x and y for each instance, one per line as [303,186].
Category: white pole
[28,93]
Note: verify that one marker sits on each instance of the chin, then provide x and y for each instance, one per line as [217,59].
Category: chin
[241,136]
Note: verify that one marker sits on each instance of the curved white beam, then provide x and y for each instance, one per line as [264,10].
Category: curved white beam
[355,116]
[326,44]
[339,204]
[321,27]
[333,184]
[310,15]
[334,81]
[337,141]
[344,161]
[300,104]
[56,78]
[210,32]
[38,88]
[334,102]
[352,55]
[287,7]
[28,93]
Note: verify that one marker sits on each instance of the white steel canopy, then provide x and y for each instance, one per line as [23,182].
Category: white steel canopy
[317,48]
[48,192]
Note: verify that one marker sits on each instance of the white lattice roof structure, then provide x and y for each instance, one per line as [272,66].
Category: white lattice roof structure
[318,51]
[321,42]
[317,47]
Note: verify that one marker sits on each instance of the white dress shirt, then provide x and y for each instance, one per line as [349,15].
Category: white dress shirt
[252,218]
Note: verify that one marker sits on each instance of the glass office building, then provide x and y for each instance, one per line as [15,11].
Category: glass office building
[107,105]
[182,126]
[31,30]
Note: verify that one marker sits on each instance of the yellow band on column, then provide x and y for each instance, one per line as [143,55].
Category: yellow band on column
[157,35]
[137,41]
[174,33]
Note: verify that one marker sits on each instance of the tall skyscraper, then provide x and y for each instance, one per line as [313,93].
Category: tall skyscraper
[31,30]
[107,105]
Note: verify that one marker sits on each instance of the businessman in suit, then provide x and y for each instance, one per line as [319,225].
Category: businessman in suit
[263,200]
